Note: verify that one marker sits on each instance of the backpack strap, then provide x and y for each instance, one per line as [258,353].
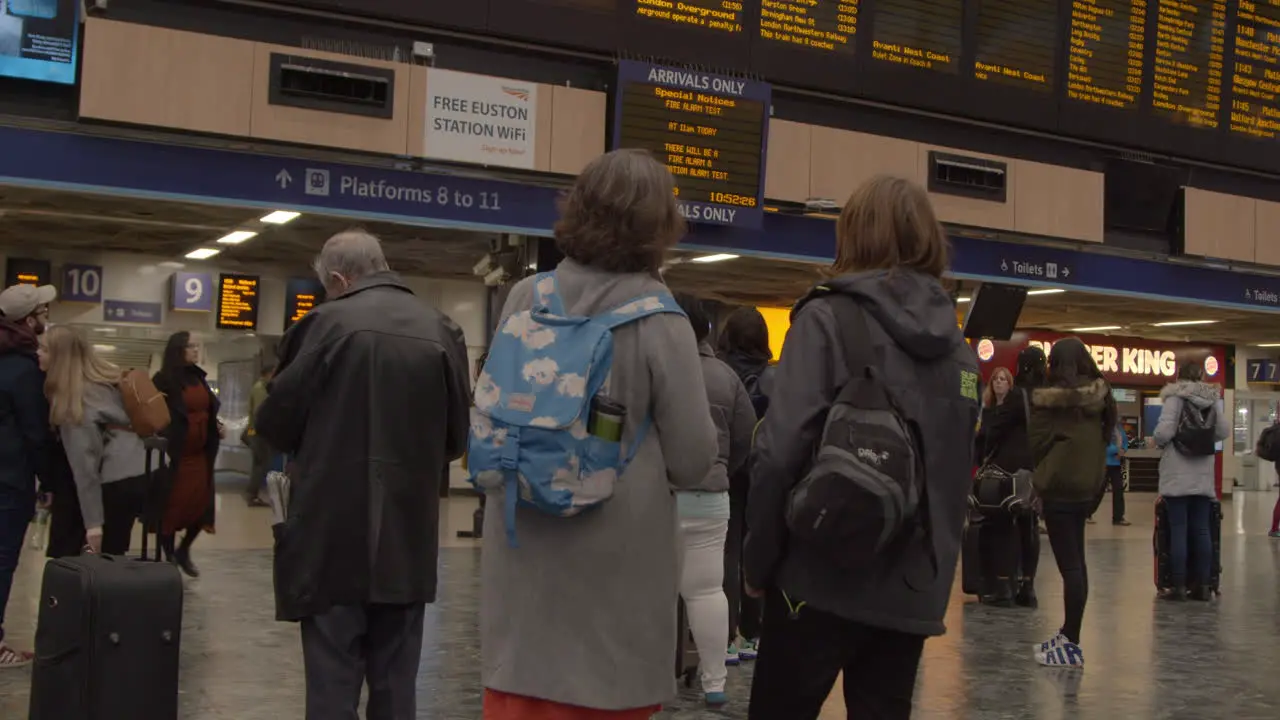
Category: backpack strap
[546,294]
[629,312]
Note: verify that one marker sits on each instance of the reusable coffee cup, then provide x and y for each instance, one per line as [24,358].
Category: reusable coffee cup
[606,418]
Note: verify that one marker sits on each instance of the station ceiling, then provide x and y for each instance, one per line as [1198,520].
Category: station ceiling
[72,221]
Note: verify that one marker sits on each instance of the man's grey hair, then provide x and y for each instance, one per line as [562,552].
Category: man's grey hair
[353,254]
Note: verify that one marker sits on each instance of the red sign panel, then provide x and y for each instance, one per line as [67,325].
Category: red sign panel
[1125,361]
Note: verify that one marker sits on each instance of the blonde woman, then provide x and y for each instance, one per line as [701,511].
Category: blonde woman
[106,458]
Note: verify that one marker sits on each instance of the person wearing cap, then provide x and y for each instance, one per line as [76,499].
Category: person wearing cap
[24,432]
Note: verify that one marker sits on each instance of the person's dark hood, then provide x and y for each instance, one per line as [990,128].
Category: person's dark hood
[912,307]
[745,365]
[17,338]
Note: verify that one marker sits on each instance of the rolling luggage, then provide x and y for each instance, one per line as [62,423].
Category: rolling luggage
[107,640]
[1160,547]
[686,651]
[971,581]
[158,487]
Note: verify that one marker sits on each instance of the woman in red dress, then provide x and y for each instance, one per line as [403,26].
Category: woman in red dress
[194,434]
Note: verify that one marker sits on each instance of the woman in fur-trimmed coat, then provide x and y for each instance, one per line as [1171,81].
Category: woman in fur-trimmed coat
[1071,423]
[1187,481]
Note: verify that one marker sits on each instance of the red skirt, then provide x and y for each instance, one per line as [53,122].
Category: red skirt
[504,706]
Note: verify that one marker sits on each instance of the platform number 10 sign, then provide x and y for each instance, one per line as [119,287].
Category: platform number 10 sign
[192,292]
[82,283]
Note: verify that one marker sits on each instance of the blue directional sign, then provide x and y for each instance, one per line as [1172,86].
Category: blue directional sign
[127,311]
[81,283]
[128,167]
[191,292]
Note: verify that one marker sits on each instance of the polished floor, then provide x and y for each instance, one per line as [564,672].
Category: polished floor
[1146,659]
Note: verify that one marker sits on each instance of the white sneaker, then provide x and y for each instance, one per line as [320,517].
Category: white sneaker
[731,656]
[1051,643]
[1066,655]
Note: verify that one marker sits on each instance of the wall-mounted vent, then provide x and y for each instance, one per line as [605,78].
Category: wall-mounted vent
[968,177]
[332,86]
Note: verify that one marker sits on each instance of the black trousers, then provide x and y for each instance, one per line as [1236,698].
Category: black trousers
[744,610]
[122,503]
[1065,523]
[348,646]
[261,453]
[1115,478]
[801,653]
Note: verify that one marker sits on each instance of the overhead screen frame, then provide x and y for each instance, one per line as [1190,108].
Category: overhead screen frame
[614,26]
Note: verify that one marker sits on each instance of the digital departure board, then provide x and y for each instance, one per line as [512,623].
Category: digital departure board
[1015,43]
[709,130]
[1105,52]
[1255,77]
[717,15]
[238,302]
[301,296]
[1191,40]
[821,25]
[919,33]
[26,271]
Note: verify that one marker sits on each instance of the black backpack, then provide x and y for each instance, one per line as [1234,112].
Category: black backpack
[754,384]
[1195,430]
[865,491]
[1269,444]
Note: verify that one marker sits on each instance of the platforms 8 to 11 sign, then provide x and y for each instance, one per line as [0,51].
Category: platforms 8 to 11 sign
[709,130]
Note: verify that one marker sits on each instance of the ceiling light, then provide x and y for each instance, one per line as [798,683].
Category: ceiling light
[1100,328]
[202,253]
[280,217]
[1267,345]
[236,237]
[963,299]
[105,348]
[714,258]
[1046,291]
[1176,323]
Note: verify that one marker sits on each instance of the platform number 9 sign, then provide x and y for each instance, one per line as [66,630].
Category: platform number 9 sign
[82,283]
[191,292]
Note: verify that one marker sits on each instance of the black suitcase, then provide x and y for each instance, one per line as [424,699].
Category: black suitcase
[107,640]
[1160,547]
[971,581]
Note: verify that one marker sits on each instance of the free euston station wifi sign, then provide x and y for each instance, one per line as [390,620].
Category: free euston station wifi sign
[709,130]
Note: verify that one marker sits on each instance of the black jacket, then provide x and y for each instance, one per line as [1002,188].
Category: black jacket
[176,433]
[934,375]
[372,401]
[1002,434]
[25,436]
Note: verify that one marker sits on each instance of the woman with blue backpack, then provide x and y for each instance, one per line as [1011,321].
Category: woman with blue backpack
[590,411]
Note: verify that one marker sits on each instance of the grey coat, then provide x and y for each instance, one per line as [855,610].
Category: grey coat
[1182,474]
[100,451]
[734,416]
[583,612]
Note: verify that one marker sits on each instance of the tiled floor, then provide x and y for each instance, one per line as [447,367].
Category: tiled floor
[1146,659]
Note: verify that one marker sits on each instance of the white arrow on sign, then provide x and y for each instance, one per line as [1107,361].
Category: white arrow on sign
[1066,272]
[284,178]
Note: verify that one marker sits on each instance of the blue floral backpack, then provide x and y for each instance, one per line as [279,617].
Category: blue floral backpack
[543,429]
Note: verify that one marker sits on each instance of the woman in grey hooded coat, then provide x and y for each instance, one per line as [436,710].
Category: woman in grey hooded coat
[1187,481]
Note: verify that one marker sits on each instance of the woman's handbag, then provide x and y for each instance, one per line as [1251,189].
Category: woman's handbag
[996,491]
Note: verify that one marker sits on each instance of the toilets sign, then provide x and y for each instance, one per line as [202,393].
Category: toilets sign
[1047,270]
